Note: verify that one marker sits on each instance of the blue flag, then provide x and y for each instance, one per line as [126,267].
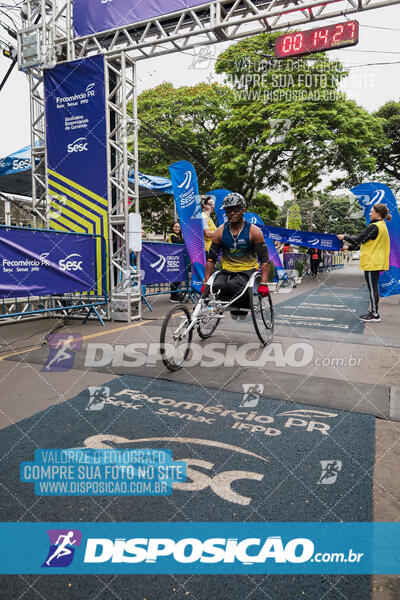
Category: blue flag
[187,201]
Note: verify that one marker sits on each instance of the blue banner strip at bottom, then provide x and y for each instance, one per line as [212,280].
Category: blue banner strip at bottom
[200,548]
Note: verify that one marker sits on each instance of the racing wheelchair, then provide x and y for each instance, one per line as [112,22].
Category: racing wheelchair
[179,323]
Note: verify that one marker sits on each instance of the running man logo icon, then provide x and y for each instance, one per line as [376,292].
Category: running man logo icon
[202,57]
[98,397]
[62,351]
[330,470]
[251,394]
[63,543]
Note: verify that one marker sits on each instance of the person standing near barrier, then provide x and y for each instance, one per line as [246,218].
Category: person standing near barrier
[209,227]
[175,237]
[374,245]
[315,258]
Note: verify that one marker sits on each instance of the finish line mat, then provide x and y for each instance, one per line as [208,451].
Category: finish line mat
[327,308]
[249,458]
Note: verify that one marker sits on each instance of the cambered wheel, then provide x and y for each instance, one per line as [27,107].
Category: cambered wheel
[262,312]
[175,345]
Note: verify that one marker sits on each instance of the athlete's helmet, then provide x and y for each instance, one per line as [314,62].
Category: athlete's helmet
[234,199]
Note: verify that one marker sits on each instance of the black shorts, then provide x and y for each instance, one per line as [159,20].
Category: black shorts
[227,285]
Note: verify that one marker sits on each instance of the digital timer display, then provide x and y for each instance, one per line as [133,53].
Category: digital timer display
[320,39]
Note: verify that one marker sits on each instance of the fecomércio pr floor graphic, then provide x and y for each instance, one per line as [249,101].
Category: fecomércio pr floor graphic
[304,431]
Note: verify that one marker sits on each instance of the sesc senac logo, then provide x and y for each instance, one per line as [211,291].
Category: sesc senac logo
[79,145]
[70,263]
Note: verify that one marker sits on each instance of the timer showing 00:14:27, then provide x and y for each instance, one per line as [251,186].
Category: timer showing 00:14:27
[320,39]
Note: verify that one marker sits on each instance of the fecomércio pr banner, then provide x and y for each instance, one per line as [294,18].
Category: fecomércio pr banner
[307,239]
[161,263]
[253,218]
[369,194]
[37,263]
[91,17]
[77,148]
[187,201]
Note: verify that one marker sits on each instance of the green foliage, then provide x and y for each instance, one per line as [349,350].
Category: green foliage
[300,266]
[336,214]
[157,214]
[178,124]
[263,206]
[294,220]
[273,124]
[289,124]
[388,154]
[271,274]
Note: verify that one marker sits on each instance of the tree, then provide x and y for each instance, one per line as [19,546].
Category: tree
[289,123]
[336,214]
[388,154]
[157,214]
[264,207]
[180,124]
[294,217]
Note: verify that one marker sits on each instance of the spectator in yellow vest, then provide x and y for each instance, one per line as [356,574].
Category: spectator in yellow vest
[207,207]
[374,246]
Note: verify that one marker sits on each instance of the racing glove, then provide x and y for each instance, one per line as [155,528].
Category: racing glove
[204,290]
[263,290]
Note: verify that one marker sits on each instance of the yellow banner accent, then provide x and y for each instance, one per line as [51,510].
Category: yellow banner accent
[91,221]
[79,188]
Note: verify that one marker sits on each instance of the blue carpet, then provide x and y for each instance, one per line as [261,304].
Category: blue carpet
[328,308]
[281,456]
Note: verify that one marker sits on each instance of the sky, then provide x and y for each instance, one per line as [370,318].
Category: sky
[371,85]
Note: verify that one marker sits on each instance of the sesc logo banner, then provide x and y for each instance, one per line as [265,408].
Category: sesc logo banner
[76,128]
[200,548]
[163,262]
[187,201]
[46,262]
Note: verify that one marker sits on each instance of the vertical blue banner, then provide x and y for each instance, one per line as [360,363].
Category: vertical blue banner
[187,201]
[76,122]
[76,137]
[367,195]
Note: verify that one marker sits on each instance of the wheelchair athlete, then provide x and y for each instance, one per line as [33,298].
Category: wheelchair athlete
[243,247]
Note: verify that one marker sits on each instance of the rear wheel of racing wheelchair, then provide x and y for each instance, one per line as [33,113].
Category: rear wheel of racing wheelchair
[174,343]
[262,312]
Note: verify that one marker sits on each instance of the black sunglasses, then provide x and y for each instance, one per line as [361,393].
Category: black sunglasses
[234,209]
